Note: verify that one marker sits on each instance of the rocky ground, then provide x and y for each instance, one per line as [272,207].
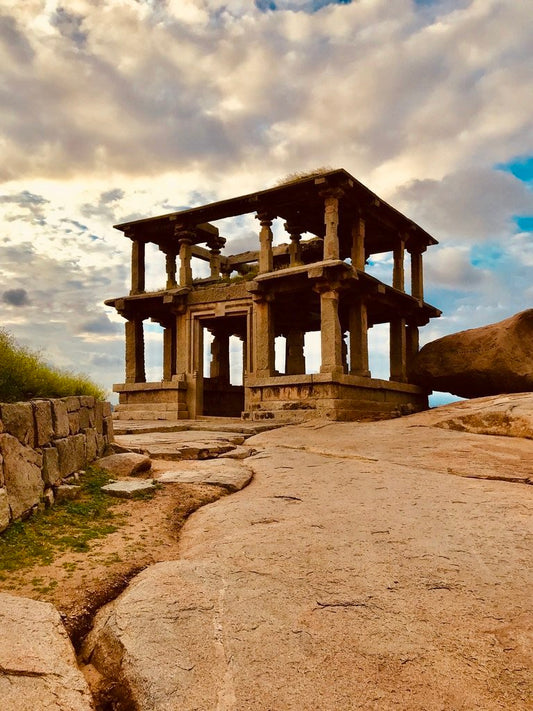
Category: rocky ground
[366,566]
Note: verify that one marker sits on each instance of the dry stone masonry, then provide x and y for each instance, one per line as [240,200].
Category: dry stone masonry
[41,443]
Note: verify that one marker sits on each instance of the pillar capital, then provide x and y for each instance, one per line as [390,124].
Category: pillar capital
[184,235]
[265,218]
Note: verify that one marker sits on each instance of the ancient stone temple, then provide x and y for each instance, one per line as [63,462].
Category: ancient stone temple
[313,282]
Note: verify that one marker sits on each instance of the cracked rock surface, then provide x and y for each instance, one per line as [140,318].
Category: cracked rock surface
[355,571]
[38,669]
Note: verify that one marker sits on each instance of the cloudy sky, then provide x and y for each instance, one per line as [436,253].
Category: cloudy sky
[112,110]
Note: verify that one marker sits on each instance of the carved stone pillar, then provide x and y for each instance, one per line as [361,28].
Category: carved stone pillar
[412,345]
[331,220]
[266,258]
[358,244]
[398,350]
[214,260]
[295,251]
[169,349]
[137,266]
[220,357]
[170,263]
[185,240]
[294,352]
[263,336]
[135,372]
[330,332]
[359,339]
[417,273]
[398,279]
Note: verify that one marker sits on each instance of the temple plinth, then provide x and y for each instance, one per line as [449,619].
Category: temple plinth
[250,318]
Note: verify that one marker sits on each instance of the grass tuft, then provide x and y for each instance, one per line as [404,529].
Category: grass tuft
[24,375]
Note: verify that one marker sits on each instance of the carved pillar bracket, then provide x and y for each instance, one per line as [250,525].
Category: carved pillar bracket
[185,240]
[266,259]
[295,252]
[137,264]
[215,246]
[331,221]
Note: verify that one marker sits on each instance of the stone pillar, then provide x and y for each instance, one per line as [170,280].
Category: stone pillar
[359,339]
[263,338]
[294,352]
[330,332]
[214,261]
[169,350]
[295,251]
[183,346]
[135,372]
[220,357]
[170,263]
[417,273]
[331,220]
[412,345]
[185,240]
[137,266]
[266,258]
[398,350]
[358,244]
[398,278]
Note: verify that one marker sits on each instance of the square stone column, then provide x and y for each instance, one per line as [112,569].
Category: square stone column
[185,241]
[219,368]
[358,244]
[398,274]
[263,336]
[170,264]
[183,343]
[398,350]
[266,257]
[359,339]
[417,273]
[295,250]
[169,350]
[330,333]
[331,221]
[412,344]
[137,266]
[135,372]
[294,352]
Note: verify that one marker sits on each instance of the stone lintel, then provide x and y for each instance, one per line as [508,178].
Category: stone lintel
[342,378]
[174,384]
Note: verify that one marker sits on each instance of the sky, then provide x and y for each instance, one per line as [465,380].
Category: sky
[114,110]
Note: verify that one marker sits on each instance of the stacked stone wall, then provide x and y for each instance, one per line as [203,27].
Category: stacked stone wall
[44,442]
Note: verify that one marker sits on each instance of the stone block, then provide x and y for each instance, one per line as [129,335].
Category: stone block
[86,416]
[44,425]
[22,475]
[67,492]
[128,489]
[51,472]
[87,401]
[48,498]
[72,453]
[5,514]
[60,418]
[107,409]
[1,470]
[99,416]
[108,428]
[18,421]
[72,402]
[91,444]
[74,422]
[100,444]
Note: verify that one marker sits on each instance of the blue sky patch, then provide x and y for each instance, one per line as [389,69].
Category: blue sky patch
[524,224]
[521,168]
[486,256]
[310,6]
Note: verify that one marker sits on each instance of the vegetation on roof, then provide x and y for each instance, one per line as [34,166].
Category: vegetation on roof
[24,375]
[301,175]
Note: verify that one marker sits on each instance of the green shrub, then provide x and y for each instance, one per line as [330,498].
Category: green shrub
[24,375]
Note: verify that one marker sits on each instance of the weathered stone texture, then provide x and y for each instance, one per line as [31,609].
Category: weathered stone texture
[60,418]
[91,444]
[125,464]
[74,422]
[22,475]
[44,425]
[72,453]
[18,421]
[5,514]
[483,361]
[72,402]
[51,473]
[38,667]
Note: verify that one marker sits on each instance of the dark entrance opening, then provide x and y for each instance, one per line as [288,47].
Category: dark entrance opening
[224,376]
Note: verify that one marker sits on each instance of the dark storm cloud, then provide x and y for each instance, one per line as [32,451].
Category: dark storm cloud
[16,297]
[69,25]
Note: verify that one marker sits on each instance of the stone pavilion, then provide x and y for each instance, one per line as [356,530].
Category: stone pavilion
[315,281]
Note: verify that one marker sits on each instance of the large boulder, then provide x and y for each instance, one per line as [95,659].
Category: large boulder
[482,361]
[38,668]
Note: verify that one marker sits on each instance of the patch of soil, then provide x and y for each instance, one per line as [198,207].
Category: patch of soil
[78,583]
